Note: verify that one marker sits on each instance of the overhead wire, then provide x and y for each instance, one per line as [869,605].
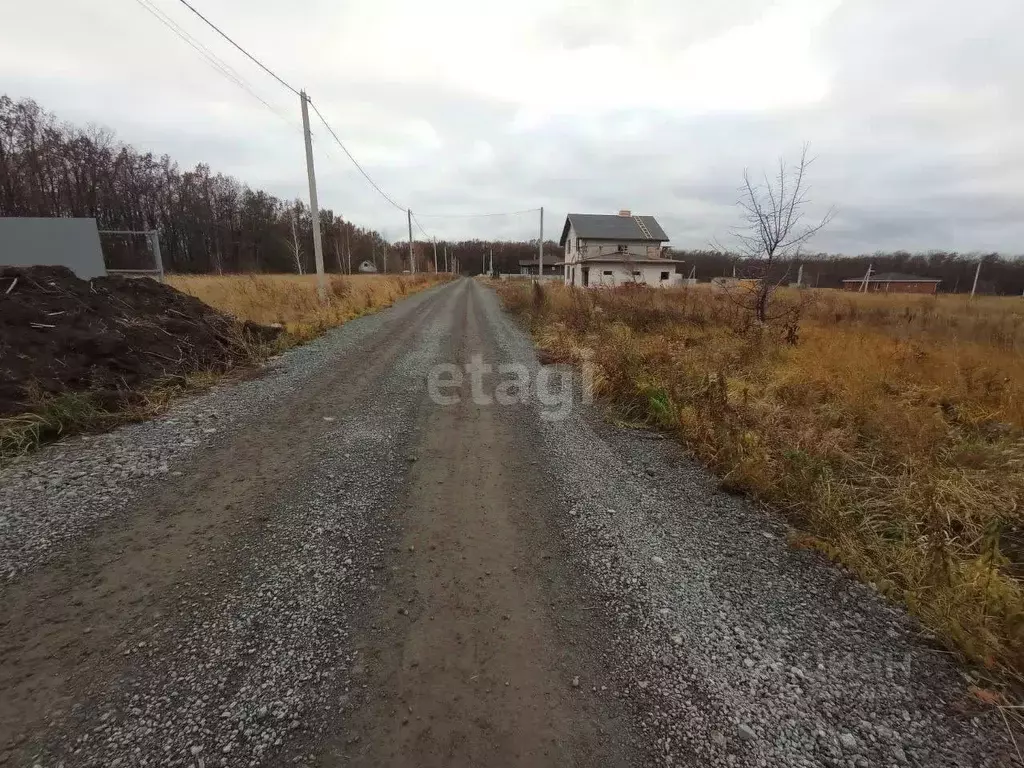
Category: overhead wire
[476,215]
[210,57]
[228,72]
[252,58]
[425,233]
[354,161]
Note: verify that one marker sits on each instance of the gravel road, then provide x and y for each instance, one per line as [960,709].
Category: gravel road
[326,565]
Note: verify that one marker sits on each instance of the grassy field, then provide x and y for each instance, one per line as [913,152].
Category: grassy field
[292,300]
[891,433]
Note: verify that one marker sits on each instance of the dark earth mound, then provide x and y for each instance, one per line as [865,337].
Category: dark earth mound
[110,337]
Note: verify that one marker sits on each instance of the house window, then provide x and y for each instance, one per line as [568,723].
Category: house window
[664,275]
[622,248]
[636,273]
[607,273]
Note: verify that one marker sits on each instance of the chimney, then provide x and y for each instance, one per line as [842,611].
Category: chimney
[625,212]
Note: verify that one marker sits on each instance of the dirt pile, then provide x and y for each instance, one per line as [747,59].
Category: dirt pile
[111,337]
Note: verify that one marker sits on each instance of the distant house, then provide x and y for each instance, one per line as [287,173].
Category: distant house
[529,267]
[367,267]
[615,249]
[893,282]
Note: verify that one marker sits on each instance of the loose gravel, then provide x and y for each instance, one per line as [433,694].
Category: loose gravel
[732,647]
[51,498]
[253,663]
[248,676]
[727,646]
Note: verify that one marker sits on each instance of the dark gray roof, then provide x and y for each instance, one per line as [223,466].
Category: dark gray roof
[893,277]
[602,226]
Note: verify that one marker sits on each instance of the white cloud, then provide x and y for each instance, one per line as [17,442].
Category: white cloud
[913,107]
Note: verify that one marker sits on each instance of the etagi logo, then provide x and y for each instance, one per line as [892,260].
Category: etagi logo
[554,387]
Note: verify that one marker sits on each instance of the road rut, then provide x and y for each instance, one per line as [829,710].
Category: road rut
[344,571]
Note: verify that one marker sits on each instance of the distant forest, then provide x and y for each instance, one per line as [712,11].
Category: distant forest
[999,274]
[209,222]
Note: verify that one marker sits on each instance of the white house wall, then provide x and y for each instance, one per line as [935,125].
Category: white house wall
[579,251]
[588,249]
[591,249]
[621,274]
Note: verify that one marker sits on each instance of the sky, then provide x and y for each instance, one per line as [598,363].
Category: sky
[913,109]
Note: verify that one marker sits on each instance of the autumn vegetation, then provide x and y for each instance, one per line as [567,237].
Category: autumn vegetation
[52,409]
[888,429]
[292,301]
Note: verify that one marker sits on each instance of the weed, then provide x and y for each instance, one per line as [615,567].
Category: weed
[287,300]
[889,429]
[292,301]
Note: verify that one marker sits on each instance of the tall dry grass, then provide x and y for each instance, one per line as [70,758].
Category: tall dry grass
[289,300]
[292,301]
[891,433]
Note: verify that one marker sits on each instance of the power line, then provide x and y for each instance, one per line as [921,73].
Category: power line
[425,234]
[354,161]
[211,58]
[252,58]
[228,72]
[475,215]
[201,49]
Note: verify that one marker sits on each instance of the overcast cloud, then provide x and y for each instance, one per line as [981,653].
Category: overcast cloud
[913,108]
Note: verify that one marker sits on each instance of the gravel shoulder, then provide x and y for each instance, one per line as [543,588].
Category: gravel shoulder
[731,647]
[173,585]
[324,567]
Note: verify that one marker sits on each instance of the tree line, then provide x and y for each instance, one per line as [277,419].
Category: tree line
[999,274]
[211,222]
[208,222]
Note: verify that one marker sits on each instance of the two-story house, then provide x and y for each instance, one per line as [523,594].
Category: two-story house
[607,249]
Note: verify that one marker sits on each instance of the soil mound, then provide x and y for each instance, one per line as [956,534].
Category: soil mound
[110,336]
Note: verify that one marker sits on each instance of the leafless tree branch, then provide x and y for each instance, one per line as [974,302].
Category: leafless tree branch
[773,222]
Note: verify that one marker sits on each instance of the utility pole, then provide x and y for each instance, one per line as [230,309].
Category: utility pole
[800,276]
[976,273]
[446,267]
[435,255]
[540,245]
[412,257]
[491,270]
[348,250]
[314,208]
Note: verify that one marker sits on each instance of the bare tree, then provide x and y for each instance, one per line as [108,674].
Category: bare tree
[774,228]
[629,263]
[348,251]
[296,246]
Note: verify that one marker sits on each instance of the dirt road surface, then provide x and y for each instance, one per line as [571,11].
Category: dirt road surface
[356,559]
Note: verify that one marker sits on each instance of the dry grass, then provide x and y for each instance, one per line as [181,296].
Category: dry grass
[52,417]
[292,300]
[891,433]
[289,300]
